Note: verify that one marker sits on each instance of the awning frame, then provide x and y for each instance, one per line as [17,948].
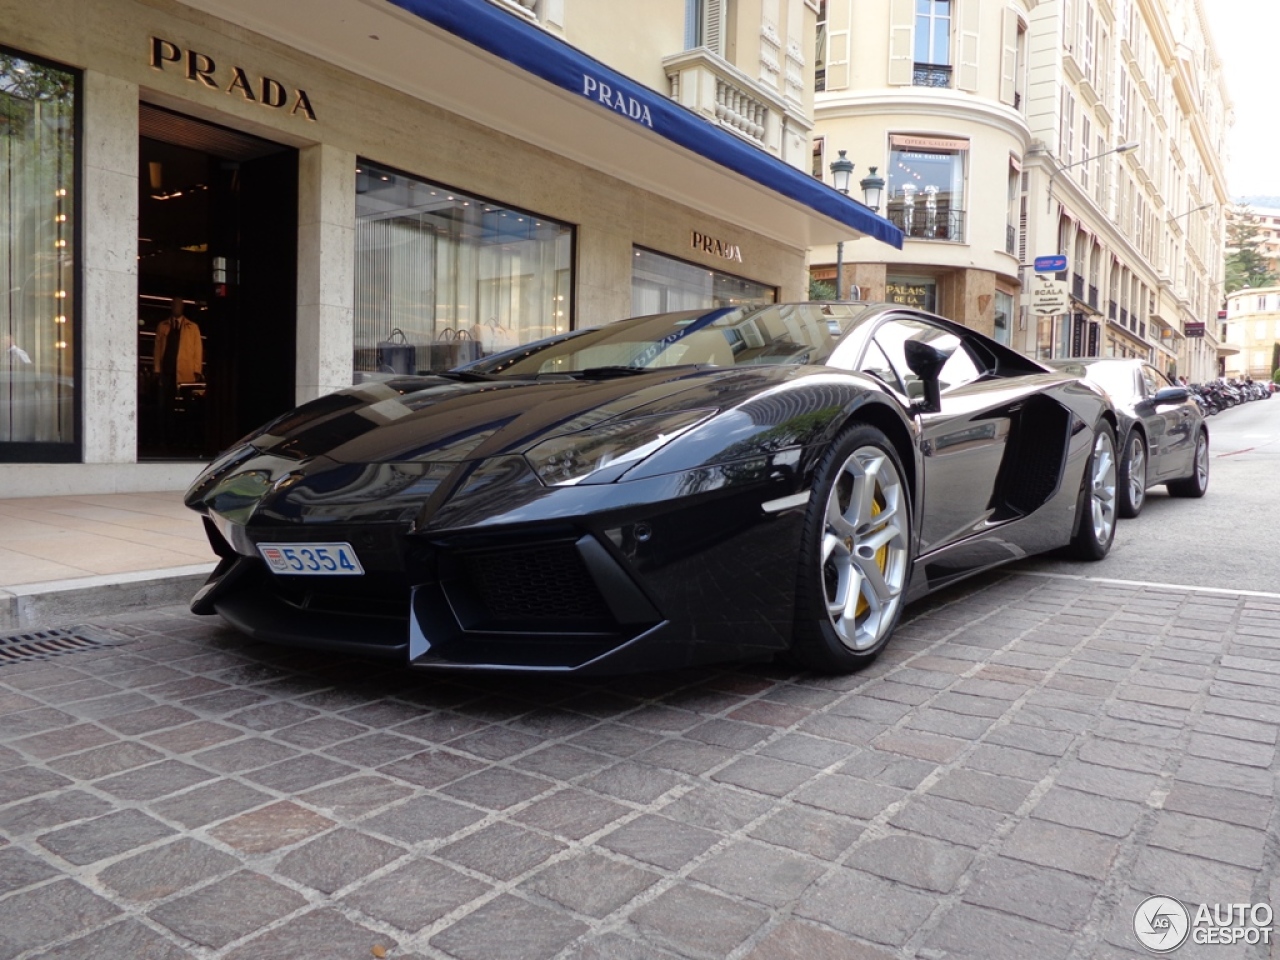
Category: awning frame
[489,28]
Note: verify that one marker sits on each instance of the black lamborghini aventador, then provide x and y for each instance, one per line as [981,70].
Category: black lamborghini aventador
[661,491]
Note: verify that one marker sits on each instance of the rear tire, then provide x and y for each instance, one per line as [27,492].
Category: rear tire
[1096,508]
[1132,478]
[1198,483]
[855,554]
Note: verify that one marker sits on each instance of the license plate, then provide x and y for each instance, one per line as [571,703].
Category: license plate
[312,559]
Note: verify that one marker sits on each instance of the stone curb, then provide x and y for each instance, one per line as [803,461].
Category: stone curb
[31,605]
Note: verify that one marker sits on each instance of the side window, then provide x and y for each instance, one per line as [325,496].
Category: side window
[959,369]
[877,364]
[1160,379]
[1150,381]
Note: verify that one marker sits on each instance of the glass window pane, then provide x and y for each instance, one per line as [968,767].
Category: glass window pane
[661,284]
[37,252]
[926,192]
[444,278]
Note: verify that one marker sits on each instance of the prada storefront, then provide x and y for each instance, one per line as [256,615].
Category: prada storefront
[206,220]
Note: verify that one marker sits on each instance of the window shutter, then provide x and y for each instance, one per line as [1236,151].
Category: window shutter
[901,51]
[970,20]
[839,14]
[1022,227]
[713,25]
[1009,57]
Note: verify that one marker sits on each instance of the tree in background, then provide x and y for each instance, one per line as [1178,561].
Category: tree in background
[1245,264]
[821,290]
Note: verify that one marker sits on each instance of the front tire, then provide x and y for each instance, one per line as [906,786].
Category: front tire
[1096,510]
[1132,479]
[1198,483]
[855,554]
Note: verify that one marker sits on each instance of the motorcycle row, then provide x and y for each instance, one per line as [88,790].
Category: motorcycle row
[1217,395]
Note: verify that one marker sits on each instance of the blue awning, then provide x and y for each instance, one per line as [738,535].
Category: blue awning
[505,35]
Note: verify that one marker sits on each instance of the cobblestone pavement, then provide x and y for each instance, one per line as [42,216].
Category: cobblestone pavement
[1029,760]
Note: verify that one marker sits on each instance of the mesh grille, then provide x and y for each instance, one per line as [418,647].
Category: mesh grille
[548,582]
[44,644]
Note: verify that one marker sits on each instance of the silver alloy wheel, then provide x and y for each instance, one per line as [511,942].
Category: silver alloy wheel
[1102,487]
[1202,461]
[1137,471]
[864,548]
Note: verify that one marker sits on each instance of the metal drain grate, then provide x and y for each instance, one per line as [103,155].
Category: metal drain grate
[43,644]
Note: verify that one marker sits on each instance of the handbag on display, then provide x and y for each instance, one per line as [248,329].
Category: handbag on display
[493,336]
[397,355]
[453,347]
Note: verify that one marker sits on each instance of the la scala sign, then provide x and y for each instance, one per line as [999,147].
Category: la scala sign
[202,69]
[1048,297]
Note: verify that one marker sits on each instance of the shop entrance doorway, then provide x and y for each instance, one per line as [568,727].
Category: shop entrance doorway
[217,274]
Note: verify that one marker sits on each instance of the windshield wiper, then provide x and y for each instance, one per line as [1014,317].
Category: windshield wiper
[604,373]
[470,376]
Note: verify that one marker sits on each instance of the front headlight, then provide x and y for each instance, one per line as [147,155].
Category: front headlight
[574,458]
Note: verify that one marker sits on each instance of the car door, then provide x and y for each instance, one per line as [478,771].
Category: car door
[1171,426]
[963,443]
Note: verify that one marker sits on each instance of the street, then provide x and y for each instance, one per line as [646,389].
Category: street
[1037,753]
[1228,540]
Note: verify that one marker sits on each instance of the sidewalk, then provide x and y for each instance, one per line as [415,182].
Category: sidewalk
[68,557]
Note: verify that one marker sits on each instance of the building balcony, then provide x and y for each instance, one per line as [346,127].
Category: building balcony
[722,94]
[917,223]
[1077,286]
[1011,239]
[931,75]
[525,8]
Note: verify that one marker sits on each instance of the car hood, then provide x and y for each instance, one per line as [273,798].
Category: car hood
[434,419]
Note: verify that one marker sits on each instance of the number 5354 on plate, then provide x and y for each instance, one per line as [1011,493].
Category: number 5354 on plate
[312,559]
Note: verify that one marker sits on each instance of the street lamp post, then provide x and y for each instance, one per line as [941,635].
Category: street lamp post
[1123,148]
[841,170]
[1187,213]
[872,187]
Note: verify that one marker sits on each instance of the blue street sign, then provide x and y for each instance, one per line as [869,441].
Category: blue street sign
[1055,264]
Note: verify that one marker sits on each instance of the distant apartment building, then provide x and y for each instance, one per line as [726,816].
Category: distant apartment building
[1014,131]
[1265,223]
[1253,329]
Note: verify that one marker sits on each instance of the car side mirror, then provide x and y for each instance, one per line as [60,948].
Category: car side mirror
[1172,395]
[926,362]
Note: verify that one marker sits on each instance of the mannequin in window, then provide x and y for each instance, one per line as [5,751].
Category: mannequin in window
[11,354]
[179,359]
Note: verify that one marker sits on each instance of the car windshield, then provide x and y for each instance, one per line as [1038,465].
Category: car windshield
[727,337]
[1115,378]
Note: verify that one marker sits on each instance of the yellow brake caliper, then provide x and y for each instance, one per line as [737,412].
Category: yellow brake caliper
[882,555]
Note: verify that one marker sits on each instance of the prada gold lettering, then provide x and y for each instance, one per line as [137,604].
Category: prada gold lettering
[240,81]
[202,69]
[715,246]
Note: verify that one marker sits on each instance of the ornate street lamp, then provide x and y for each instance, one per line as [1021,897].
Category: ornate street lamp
[872,187]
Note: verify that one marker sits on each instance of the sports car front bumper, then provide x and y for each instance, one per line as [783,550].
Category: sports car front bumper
[668,571]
